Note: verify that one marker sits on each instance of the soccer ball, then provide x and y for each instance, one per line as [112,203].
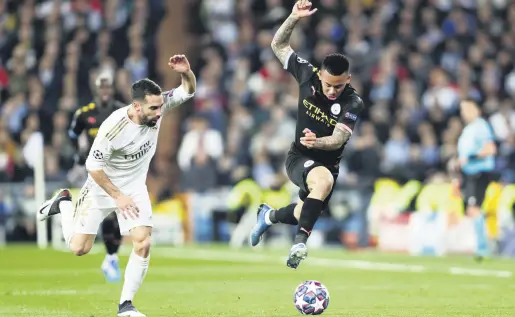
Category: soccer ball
[311,298]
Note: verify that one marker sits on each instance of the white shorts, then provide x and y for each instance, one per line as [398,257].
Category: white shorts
[91,209]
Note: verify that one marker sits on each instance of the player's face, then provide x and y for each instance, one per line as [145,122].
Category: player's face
[468,111]
[333,86]
[105,92]
[151,110]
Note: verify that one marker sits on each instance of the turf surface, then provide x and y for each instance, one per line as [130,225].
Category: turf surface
[216,281]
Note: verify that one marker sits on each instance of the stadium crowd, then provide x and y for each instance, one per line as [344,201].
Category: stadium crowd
[412,61]
[50,53]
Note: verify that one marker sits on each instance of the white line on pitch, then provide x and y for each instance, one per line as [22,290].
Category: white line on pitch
[479,272]
[56,292]
[210,255]
[220,255]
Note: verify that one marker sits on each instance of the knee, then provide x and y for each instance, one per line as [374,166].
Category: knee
[320,182]
[323,185]
[79,250]
[142,246]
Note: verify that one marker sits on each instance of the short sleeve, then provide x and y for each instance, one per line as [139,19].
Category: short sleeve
[175,97]
[76,125]
[300,68]
[352,112]
[101,150]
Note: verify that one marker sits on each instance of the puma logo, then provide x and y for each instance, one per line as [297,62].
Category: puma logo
[307,232]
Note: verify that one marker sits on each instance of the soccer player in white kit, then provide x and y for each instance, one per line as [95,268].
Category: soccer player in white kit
[117,165]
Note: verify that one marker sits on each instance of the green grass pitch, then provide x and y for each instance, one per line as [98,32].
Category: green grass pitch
[212,281]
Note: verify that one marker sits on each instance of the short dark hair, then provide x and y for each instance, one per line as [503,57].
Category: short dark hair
[470,100]
[144,87]
[336,64]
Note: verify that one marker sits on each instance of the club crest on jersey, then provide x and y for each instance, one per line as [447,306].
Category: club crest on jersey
[336,109]
[351,116]
[308,163]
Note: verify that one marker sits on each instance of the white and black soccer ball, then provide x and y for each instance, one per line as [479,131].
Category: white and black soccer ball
[311,298]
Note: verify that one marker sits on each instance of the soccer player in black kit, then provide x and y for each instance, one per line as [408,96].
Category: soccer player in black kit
[327,112]
[88,119]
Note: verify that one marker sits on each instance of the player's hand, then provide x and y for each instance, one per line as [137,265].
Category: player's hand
[179,63]
[127,207]
[309,138]
[302,9]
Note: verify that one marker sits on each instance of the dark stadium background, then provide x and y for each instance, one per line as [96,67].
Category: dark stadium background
[412,61]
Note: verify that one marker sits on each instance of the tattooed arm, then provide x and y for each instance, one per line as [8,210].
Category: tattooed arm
[281,41]
[329,143]
[343,129]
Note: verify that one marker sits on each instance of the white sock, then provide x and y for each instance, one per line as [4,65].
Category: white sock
[134,274]
[67,221]
[267,219]
[110,257]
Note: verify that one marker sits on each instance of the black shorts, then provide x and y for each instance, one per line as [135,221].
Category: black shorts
[474,188]
[298,167]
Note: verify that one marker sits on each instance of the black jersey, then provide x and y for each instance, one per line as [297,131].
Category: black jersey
[319,114]
[89,118]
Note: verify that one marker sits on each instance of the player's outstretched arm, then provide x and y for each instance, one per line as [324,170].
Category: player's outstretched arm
[281,41]
[180,64]
[175,97]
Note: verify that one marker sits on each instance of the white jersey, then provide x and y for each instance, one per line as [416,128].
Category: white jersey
[124,149]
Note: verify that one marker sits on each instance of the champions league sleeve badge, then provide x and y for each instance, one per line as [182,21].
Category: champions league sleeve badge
[351,116]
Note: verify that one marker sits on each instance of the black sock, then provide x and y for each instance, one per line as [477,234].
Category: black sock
[111,235]
[284,215]
[112,245]
[311,210]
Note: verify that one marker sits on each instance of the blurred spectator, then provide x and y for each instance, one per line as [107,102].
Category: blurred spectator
[412,61]
[362,163]
[199,150]
[397,150]
[503,121]
[50,50]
